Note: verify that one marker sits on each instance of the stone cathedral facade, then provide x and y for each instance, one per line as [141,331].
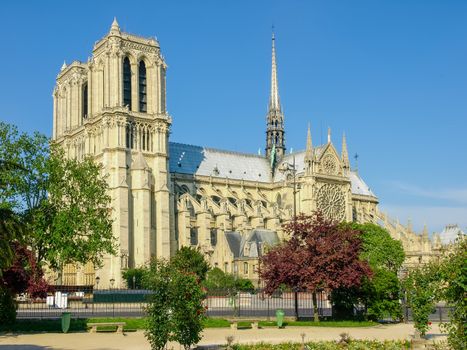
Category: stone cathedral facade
[166,195]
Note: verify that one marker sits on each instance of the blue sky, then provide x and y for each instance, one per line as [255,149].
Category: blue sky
[391,74]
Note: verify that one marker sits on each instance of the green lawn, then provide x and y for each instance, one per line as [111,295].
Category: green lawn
[79,325]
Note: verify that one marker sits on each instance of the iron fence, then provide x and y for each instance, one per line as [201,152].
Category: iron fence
[85,302]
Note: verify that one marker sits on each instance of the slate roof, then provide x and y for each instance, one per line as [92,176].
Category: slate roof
[197,160]
[255,239]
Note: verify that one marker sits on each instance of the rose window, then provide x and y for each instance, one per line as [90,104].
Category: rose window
[331,202]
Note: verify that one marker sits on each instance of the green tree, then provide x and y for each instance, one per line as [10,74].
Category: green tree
[188,312]
[63,203]
[190,259]
[73,225]
[158,320]
[134,277]
[454,291]
[175,310]
[218,280]
[381,293]
[422,289]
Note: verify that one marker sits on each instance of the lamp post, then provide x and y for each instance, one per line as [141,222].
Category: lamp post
[134,282]
[98,279]
[292,169]
[112,281]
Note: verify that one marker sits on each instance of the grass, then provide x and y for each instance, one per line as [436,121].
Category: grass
[132,324]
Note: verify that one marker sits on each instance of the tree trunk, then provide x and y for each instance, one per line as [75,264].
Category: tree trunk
[315,307]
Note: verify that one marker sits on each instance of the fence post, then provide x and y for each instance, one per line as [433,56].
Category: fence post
[440,314]
[269,317]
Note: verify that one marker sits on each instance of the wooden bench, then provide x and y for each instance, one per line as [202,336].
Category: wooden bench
[119,325]
[234,325]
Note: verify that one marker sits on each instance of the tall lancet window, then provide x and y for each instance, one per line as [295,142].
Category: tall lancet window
[142,88]
[127,83]
[85,101]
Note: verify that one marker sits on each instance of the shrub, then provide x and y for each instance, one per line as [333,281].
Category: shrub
[218,280]
[136,274]
[7,307]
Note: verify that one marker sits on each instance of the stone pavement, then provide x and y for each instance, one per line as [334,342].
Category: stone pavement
[137,341]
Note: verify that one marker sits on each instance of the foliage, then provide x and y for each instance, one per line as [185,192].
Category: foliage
[159,323]
[10,230]
[175,310]
[329,345]
[138,275]
[24,275]
[319,254]
[7,307]
[188,312]
[218,280]
[63,203]
[74,225]
[381,294]
[422,286]
[454,292]
[190,259]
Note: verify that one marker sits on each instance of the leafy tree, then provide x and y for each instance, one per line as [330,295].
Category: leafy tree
[422,285]
[218,280]
[158,321]
[454,291]
[134,277]
[74,224]
[63,202]
[190,259]
[319,255]
[7,307]
[381,294]
[10,230]
[175,311]
[188,311]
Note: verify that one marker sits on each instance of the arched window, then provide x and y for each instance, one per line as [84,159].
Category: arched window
[130,135]
[142,87]
[214,237]
[194,236]
[127,83]
[84,113]
[279,200]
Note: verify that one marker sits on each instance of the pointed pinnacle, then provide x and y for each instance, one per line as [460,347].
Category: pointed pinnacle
[345,154]
[63,65]
[309,146]
[329,135]
[115,28]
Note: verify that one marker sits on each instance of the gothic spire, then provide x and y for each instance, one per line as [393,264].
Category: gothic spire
[274,102]
[345,154]
[275,141]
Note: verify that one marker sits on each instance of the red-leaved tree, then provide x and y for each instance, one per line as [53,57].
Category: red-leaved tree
[24,275]
[320,254]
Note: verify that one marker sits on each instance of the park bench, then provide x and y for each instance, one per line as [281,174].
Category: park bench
[234,325]
[94,326]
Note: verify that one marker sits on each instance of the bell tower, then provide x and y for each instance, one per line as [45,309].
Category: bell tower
[113,108]
[275,140]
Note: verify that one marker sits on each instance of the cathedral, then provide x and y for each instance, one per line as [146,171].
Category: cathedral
[166,195]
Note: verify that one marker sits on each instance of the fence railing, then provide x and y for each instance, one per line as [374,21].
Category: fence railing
[86,302]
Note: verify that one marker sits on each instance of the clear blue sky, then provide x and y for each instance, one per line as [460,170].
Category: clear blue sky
[391,74]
